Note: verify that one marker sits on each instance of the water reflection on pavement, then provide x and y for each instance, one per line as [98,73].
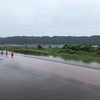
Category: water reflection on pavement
[26,78]
[79,63]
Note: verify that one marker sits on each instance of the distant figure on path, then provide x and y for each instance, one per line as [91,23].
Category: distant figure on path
[1,52]
[12,54]
[6,53]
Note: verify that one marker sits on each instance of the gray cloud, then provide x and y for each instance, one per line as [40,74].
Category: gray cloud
[49,17]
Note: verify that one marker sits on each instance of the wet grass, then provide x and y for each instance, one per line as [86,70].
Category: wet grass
[55,52]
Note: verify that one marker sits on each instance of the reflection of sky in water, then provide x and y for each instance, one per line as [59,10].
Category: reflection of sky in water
[59,59]
[75,62]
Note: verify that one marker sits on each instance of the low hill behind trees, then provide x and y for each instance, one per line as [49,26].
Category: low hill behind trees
[94,40]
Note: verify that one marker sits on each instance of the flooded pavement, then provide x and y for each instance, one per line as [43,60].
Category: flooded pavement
[26,78]
[94,65]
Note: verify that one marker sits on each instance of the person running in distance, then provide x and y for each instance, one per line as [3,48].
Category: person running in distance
[1,52]
[6,53]
[12,54]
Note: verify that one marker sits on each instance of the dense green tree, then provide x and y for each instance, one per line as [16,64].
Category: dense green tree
[78,48]
[39,46]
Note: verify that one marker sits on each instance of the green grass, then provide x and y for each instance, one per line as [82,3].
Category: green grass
[55,52]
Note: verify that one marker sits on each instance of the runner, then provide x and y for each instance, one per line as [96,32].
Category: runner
[6,53]
[12,54]
[1,52]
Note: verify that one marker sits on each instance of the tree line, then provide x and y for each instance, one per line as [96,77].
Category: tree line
[94,40]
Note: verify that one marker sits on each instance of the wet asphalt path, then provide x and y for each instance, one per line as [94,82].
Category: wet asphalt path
[24,78]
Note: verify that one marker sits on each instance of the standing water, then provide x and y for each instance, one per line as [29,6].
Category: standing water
[93,65]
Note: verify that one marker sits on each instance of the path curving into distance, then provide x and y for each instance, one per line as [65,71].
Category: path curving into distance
[26,78]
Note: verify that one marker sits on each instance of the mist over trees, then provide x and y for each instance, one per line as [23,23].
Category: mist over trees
[94,40]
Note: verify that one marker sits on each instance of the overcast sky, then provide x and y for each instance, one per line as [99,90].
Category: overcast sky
[49,17]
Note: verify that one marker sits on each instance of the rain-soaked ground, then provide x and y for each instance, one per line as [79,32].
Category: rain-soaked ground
[27,78]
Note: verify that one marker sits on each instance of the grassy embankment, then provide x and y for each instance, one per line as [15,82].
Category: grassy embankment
[67,52]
